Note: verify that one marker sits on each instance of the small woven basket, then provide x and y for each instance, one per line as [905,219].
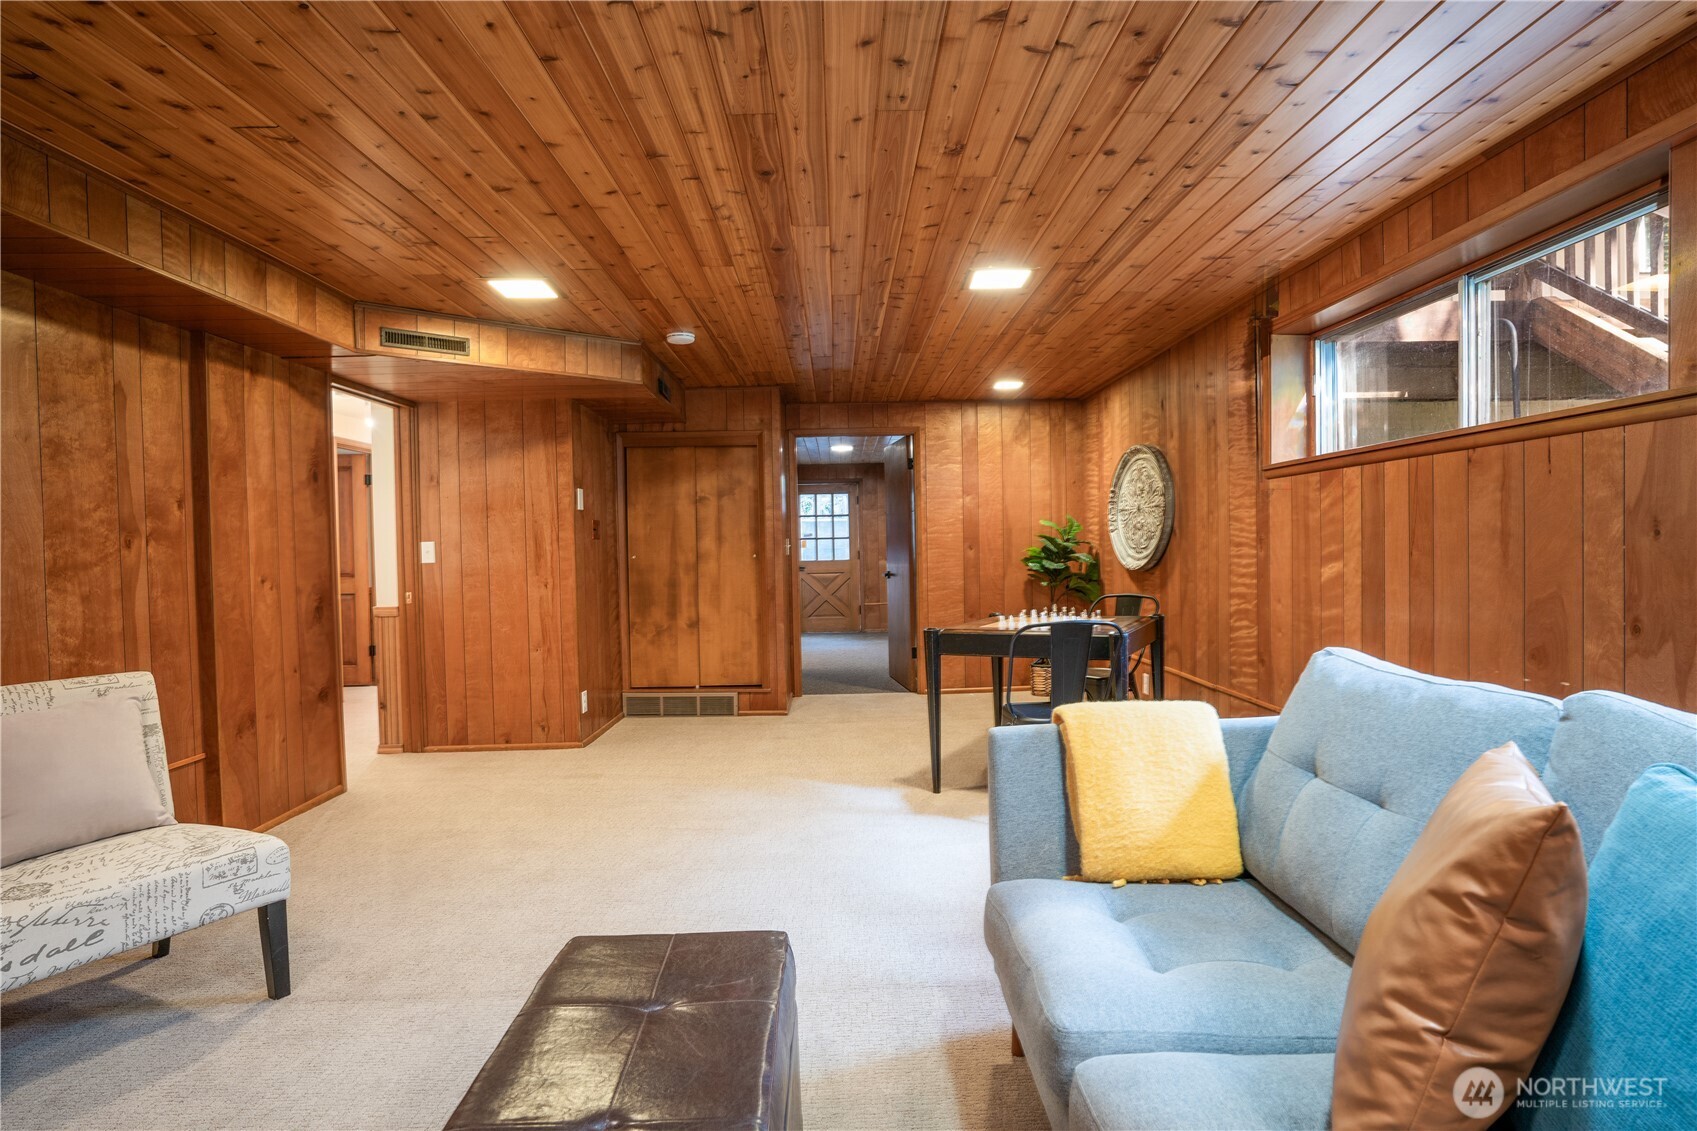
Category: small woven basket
[1040,679]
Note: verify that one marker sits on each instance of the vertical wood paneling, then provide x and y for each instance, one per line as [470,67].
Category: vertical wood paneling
[1661,560]
[600,639]
[390,670]
[24,649]
[1451,613]
[1554,564]
[274,649]
[519,613]
[1605,548]
[1553,607]
[504,513]
[98,405]
[1496,543]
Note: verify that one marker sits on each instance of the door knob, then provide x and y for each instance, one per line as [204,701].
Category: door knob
[889,573]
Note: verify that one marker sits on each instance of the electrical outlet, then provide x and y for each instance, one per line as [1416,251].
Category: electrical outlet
[427,553]
[1148,685]
[583,700]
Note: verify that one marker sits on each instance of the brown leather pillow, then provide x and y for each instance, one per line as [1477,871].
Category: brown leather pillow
[1466,957]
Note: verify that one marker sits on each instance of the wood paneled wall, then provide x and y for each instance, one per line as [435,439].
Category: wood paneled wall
[499,608]
[874,590]
[1555,564]
[988,472]
[268,584]
[69,197]
[600,636]
[97,547]
[390,670]
[165,510]
[1197,402]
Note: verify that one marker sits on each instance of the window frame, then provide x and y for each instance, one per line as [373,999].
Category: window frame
[1474,375]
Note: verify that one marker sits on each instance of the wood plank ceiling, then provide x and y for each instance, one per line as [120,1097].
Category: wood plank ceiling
[822,449]
[807,185]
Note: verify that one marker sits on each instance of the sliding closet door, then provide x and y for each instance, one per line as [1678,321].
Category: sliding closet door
[661,566]
[727,494]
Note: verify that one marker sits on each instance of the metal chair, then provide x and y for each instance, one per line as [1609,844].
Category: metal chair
[1069,664]
[1098,681]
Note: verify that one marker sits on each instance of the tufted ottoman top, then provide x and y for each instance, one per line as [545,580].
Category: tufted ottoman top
[695,1030]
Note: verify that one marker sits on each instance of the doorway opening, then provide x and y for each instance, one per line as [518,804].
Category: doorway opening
[854,563]
[368,575]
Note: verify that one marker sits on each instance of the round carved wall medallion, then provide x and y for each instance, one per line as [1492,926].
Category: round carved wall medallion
[1140,507]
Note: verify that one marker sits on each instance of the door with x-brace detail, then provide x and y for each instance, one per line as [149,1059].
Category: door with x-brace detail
[828,519]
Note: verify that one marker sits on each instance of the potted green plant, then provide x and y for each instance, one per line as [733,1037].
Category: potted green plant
[1065,564]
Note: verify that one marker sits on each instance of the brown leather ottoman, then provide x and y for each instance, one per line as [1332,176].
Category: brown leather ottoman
[692,1032]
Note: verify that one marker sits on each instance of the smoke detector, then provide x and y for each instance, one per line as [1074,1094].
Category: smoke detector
[680,338]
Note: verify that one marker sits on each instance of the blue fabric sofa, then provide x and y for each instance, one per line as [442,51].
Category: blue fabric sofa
[1178,1006]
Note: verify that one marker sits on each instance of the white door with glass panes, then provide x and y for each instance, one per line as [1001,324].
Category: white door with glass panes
[828,537]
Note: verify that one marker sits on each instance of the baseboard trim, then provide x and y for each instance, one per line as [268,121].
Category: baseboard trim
[1174,673]
[601,730]
[478,749]
[394,749]
[299,809]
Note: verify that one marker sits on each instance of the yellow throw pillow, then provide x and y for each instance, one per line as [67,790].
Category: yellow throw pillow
[1149,791]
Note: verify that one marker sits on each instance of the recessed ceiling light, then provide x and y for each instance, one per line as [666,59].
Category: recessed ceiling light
[681,338]
[842,447]
[998,278]
[523,288]
[1008,385]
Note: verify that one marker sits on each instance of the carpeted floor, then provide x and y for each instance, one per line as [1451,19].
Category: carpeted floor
[845,663]
[428,899]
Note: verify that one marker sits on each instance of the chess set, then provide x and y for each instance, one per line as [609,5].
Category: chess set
[1005,623]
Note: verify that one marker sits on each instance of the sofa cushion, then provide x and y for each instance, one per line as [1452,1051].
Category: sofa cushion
[1467,957]
[1358,761]
[74,774]
[1632,1012]
[1191,1091]
[70,908]
[1603,742]
[1089,970]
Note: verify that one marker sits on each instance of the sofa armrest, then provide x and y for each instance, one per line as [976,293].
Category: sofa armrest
[1030,833]
[1246,741]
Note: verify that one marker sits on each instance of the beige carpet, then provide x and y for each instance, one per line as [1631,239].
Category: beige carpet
[845,663]
[428,899]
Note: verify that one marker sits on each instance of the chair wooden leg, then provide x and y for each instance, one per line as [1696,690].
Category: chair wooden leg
[162,948]
[1018,1049]
[274,947]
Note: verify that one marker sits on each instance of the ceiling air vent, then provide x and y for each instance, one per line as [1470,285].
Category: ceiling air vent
[680,706]
[432,343]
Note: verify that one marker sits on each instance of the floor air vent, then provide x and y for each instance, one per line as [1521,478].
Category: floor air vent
[434,343]
[680,706]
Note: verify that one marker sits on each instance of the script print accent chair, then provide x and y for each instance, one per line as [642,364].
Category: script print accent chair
[68,908]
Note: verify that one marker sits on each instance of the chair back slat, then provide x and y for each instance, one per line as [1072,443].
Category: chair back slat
[1069,658]
[1125,604]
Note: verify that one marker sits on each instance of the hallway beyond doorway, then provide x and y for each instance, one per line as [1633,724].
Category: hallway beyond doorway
[845,663]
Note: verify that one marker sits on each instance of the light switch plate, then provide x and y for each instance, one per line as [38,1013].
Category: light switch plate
[580,498]
[427,553]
